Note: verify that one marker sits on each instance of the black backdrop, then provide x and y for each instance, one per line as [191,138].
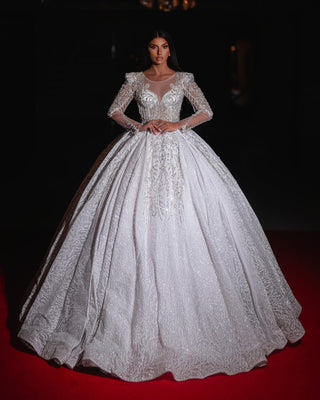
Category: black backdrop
[65,61]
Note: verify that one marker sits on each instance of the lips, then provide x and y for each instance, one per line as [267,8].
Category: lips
[159,58]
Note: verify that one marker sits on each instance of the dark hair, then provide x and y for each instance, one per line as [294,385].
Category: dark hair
[172,59]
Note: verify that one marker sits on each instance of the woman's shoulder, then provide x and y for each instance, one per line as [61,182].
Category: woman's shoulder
[185,77]
[131,77]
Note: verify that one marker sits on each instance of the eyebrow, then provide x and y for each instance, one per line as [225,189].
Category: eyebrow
[153,44]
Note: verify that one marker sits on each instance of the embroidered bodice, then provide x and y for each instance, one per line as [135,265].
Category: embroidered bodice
[159,100]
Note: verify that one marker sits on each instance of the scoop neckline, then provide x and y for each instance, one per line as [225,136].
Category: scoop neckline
[163,80]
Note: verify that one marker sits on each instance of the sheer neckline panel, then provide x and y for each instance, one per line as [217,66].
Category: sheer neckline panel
[159,88]
[163,80]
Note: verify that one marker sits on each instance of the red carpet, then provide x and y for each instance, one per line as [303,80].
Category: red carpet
[291,373]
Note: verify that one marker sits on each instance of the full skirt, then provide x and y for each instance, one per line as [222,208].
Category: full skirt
[159,264]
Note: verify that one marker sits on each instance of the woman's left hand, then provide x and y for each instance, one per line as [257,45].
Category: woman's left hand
[167,126]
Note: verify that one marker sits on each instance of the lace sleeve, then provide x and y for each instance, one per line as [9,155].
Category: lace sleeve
[203,111]
[121,102]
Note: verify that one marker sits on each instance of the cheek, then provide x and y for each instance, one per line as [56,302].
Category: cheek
[152,53]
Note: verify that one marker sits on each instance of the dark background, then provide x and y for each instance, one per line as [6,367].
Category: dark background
[64,61]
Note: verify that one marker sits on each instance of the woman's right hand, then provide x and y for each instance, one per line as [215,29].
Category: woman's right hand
[151,126]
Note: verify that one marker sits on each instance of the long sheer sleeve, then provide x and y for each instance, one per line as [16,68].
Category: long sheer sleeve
[120,104]
[203,111]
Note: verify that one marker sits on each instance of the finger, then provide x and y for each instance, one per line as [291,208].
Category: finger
[167,129]
[155,129]
[151,127]
[151,130]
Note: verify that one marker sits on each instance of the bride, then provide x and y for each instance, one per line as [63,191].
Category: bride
[159,264]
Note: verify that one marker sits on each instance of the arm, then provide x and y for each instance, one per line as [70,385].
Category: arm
[199,103]
[121,102]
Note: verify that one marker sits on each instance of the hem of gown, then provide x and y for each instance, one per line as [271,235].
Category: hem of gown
[90,359]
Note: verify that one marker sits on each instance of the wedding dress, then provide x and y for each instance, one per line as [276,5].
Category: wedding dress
[160,264]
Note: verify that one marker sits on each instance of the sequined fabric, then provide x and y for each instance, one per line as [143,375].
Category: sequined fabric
[160,264]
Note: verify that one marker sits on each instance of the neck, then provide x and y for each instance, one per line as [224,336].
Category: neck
[160,69]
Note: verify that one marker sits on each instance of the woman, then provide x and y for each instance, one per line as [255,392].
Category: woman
[160,263]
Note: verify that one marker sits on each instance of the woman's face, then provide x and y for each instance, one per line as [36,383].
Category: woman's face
[158,51]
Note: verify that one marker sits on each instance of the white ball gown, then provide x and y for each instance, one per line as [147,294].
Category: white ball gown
[160,264]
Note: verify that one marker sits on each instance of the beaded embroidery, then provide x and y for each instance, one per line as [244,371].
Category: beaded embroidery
[165,180]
